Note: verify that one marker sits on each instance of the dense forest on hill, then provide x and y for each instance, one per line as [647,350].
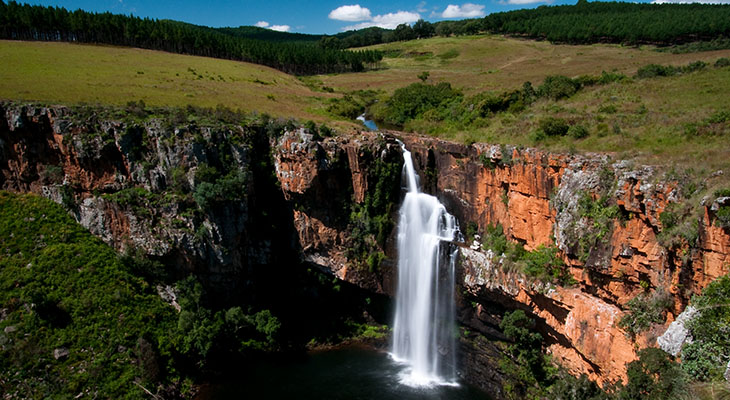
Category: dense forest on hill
[615,22]
[594,22]
[26,22]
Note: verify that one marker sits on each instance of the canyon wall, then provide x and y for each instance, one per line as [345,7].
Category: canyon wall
[148,187]
[535,196]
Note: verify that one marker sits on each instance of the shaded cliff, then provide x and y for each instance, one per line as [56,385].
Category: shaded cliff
[243,206]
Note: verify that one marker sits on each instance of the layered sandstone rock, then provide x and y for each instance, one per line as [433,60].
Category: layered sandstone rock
[533,194]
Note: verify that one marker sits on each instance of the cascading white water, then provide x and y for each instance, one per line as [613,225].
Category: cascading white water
[423,331]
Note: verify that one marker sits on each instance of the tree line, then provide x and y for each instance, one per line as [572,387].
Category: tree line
[26,22]
[615,22]
[582,23]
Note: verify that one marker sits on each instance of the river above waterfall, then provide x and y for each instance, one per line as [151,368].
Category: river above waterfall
[370,124]
[356,372]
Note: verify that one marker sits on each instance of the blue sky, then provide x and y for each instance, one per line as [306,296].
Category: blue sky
[301,16]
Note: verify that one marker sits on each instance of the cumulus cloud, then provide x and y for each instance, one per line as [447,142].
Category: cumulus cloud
[387,21]
[280,28]
[350,13]
[467,10]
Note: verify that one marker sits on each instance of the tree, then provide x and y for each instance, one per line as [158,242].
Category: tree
[403,32]
[654,376]
[423,29]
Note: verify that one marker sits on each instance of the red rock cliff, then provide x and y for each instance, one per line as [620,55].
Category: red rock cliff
[534,195]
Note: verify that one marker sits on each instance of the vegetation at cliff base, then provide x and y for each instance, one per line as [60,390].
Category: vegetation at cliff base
[74,320]
[706,358]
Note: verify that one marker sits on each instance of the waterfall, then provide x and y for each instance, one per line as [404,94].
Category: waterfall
[424,329]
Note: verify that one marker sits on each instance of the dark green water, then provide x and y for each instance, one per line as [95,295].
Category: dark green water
[350,373]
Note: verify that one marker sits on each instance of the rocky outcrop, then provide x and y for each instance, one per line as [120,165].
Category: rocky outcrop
[677,333]
[222,201]
[540,199]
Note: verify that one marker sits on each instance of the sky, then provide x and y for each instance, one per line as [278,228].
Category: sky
[328,17]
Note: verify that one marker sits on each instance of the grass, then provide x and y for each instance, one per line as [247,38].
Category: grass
[489,62]
[72,74]
[655,121]
[649,122]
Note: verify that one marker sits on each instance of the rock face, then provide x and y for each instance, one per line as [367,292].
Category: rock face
[273,199]
[536,197]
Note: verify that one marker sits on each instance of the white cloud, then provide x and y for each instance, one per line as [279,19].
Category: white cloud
[467,10]
[350,13]
[280,28]
[691,1]
[421,7]
[387,21]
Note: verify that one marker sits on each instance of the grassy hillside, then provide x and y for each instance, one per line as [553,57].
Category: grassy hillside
[661,120]
[677,121]
[479,63]
[70,74]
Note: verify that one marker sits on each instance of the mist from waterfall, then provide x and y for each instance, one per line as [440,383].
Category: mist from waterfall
[424,332]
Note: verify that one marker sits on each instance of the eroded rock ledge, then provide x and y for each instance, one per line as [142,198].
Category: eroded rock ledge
[307,187]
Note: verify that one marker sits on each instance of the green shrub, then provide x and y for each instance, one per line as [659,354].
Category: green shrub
[694,66]
[449,54]
[544,264]
[371,222]
[600,214]
[722,62]
[494,239]
[680,225]
[138,200]
[645,310]
[554,126]
[722,215]
[706,358]
[530,367]
[231,187]
[655,70]
[719,117]
[608,109]
[558,87]
[654,376]
[413,101]
[578,131]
